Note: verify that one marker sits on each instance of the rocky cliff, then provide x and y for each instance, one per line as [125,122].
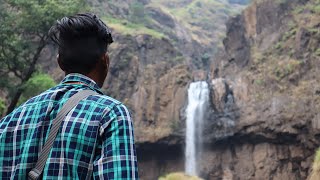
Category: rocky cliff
[150,76]
[265,94]
[160,47]
[156,54]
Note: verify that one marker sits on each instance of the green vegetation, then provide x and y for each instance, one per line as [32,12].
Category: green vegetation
[125,27]
[2,107]
[137,13]
[191,10]
[282,67]
[316,8]
[289,34]
[317,52]
[178,59]
[179,176]
[285,68]
[24,26]
[203,19]
[315,173]
[259,82]
[278,45]
[313,7]
[317,159]
[175,125]
[206,59]
[38,83]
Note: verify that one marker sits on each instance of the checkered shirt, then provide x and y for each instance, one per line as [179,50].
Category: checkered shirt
[95,140]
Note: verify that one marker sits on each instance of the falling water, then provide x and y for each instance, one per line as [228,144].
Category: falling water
[198,96]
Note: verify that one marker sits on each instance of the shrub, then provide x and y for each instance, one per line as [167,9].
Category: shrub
[34,86]
[315,173]
[318,52]
[205,58]
[2,107]
[286,67]
[316,9]
[179,176]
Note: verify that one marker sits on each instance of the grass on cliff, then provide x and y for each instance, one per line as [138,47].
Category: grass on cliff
[315,174]
[285,67]
[125,27]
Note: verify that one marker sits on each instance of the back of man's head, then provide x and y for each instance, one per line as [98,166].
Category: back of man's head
[82,40]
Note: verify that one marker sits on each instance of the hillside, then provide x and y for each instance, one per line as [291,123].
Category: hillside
[157,52]
[196,27]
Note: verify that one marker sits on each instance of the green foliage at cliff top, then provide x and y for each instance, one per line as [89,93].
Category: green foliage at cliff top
[179,176]
[204,20]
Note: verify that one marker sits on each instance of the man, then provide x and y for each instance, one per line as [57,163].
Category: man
[95,139]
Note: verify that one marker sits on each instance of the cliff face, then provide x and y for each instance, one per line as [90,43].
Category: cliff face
[264,120]
[150,76]
[269,70]
[160,47]
[150,71]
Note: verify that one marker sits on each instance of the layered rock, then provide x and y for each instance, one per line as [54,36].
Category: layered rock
[264,120]
[150,76]
[270,65]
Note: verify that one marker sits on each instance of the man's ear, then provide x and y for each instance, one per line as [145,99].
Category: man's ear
[105,60]
[60,63]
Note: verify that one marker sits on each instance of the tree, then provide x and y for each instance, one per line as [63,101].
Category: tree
[24,26]
[38,83]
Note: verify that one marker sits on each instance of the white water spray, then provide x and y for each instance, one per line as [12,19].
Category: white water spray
[198,97]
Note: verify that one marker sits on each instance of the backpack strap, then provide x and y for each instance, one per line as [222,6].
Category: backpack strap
[66,108]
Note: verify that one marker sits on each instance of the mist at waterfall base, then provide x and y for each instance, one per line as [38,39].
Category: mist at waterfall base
[198,98]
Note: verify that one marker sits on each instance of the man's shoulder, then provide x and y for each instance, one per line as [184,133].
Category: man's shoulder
[53,93]
[106,100]
[35,106]
[100,102]
[44,97]
[108,106]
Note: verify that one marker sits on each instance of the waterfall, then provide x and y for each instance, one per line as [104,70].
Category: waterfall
[198,97]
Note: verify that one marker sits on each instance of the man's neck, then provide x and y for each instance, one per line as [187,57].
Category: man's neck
[94,76]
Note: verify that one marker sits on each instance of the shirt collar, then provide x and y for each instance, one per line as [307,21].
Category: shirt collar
[76,77]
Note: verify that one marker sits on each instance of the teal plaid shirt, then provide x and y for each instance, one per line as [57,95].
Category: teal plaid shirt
[95,140]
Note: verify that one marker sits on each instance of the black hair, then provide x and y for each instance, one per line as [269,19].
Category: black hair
[82,40]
